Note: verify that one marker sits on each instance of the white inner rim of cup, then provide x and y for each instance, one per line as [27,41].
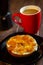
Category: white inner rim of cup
[30,7]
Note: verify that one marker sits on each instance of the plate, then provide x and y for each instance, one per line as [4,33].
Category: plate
[6,57]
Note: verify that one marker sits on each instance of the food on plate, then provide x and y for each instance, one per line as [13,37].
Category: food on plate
[20,45]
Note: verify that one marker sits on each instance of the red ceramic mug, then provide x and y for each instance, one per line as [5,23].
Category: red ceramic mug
[29,21]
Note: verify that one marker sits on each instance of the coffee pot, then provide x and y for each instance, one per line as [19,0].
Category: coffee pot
[5,15]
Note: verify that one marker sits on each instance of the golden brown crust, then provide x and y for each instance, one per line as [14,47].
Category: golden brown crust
[21,45]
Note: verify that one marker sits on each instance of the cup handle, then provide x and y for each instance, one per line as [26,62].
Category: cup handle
[15,20]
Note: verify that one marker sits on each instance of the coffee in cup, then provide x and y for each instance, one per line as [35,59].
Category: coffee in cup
[30,11]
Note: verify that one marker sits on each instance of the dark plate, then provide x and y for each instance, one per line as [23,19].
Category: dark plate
[6,57]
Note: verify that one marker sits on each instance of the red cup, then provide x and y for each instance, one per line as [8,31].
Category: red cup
[30,22]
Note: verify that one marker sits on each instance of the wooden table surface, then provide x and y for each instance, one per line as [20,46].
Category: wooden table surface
[14,6]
